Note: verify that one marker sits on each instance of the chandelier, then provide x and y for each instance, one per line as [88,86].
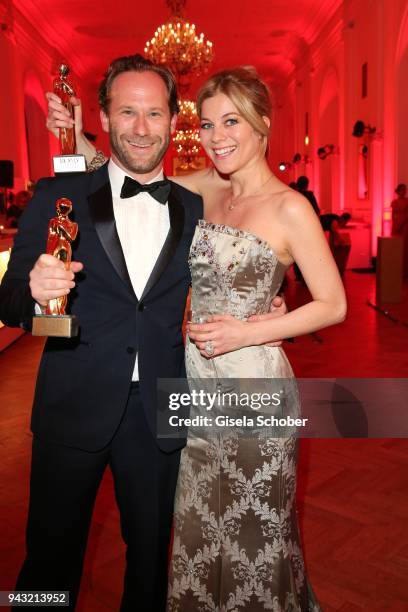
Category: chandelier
[187,118]
[187,140]
[177,44]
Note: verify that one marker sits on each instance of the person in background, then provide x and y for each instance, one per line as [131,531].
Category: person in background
[399,207]
[302,185]
[23,198]
[339,242]
[333,223]
[16,209]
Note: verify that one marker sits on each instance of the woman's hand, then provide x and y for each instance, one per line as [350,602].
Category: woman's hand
[220,334]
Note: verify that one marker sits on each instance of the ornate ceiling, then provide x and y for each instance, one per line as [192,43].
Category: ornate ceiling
[273,35]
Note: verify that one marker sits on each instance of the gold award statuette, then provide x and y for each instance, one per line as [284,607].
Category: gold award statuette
[61,232]
[68,161]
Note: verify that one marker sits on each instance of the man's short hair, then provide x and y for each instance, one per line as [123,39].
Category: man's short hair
[302,183]
[136,63]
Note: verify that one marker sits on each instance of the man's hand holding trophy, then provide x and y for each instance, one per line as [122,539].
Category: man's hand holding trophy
[53,274]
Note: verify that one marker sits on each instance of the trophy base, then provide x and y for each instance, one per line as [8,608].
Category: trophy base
[60,326]
[69,163]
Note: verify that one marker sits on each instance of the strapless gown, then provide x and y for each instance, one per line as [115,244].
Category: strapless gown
[236,541]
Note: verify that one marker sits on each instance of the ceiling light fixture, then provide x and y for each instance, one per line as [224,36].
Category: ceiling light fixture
[177,45]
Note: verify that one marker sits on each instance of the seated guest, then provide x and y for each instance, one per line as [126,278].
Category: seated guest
[16,209]
[333,223]
[13,213]
[339,242]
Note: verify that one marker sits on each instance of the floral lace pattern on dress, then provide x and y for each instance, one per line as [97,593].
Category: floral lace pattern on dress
[236,542]
[239,276]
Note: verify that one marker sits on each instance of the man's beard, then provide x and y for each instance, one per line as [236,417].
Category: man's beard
[142,166]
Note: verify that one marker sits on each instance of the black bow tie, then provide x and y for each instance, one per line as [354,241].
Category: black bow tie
[159,190]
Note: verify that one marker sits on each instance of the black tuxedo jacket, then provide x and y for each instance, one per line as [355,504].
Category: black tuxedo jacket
[83,383]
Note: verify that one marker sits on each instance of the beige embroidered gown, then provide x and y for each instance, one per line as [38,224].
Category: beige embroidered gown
[236,541]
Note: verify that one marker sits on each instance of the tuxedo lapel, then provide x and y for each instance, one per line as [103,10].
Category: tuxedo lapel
[101,211]
[176,217]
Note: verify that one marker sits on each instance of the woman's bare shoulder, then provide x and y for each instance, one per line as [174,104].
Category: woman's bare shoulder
[294,206]
[201,181]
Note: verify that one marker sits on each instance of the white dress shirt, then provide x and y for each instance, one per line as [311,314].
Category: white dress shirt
[142,224]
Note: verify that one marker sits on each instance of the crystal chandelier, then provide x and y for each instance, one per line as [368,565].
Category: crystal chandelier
[188,118]
[177,44]
[187,140]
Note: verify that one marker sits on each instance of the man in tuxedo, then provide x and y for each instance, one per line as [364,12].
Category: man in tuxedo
[95,398]
[95,402]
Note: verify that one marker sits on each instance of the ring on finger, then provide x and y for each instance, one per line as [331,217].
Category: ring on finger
[209,348]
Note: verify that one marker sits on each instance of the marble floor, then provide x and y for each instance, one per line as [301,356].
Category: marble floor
[352,493]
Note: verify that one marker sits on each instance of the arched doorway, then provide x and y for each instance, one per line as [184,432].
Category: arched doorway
[35,110]
[402,103]
[282,140]
[328,134]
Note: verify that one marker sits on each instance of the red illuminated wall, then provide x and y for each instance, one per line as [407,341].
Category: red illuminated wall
[322,79]
[329,87]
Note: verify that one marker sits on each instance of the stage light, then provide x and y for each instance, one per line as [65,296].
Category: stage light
[323,152]
[307,140]
[284,166]
[360,128]
[298,158]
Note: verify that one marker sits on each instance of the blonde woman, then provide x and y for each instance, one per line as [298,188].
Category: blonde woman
[236,541]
